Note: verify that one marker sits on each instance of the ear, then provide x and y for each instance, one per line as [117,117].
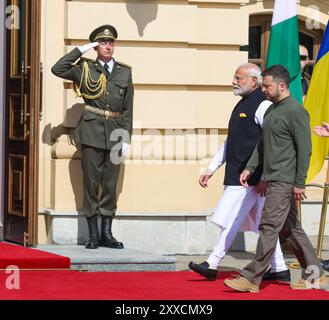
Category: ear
[252,81]
[283,86]
[255,80]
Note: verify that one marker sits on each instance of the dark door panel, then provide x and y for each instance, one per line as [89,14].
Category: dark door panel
[22,106]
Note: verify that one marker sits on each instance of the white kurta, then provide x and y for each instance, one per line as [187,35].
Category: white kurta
[236,200]
[239,209]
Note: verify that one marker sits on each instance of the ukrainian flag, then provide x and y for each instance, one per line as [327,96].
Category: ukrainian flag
[317,105]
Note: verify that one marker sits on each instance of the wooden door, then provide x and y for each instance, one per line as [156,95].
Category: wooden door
[22,117]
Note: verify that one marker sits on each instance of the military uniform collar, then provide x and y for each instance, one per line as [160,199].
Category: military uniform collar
[115,67]
[102,63]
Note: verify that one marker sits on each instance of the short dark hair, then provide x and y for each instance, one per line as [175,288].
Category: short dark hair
[279,74]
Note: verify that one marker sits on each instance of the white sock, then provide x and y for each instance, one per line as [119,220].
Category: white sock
[277,262]
[212,266]
[279,269]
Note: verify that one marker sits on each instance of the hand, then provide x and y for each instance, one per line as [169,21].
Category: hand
[125,149]
[203,181]
[261,188]
[83,49]
[299,194]
[322,131]
[244,178]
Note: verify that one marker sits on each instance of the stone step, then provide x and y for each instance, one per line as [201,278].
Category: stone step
[105,259]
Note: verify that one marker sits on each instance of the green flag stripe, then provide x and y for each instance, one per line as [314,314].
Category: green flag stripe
[284,50]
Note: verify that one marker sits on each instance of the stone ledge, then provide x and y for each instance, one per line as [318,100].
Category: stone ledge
[104,259]
[122,267]
[59,213]
[159,233]
[167,232]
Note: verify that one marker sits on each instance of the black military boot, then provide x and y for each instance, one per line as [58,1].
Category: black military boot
[93,242]
[107,240]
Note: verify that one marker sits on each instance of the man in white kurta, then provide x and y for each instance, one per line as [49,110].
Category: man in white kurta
[239,209]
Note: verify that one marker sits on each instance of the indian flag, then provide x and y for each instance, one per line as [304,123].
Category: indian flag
[284,43]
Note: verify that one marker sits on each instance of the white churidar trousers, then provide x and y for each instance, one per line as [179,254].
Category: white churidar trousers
[239,209]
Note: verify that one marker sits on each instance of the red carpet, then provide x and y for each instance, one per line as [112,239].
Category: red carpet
[26,258]
[70,285]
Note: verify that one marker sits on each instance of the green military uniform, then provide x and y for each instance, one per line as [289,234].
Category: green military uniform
[109,106]
[93,129]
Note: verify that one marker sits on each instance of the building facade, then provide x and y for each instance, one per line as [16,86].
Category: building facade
[183,54]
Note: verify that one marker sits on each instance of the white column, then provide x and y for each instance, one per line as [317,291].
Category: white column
[2,106]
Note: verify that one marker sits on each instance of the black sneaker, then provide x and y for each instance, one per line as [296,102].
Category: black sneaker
[325,265]
[203,269]
[283,276]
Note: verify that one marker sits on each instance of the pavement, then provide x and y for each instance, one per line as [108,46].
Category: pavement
[235,261]
[106,259]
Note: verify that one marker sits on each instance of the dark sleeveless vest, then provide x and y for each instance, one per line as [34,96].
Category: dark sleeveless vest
[243,136]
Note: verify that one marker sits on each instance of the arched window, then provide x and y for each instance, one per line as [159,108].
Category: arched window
[259,36]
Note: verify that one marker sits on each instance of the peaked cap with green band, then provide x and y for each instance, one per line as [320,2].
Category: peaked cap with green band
[106,32]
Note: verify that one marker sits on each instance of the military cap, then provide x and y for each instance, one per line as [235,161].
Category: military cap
[104,32]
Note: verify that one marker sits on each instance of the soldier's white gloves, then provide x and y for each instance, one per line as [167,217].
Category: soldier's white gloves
[125,149]
[86,47]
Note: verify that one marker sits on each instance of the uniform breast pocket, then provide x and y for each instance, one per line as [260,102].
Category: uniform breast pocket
[120,88]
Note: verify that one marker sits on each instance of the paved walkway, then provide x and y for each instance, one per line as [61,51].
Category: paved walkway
[105,259]
[235,261]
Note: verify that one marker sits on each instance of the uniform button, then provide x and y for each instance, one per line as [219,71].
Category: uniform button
[107,93]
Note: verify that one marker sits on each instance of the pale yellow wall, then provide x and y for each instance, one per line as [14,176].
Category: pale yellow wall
[52,31]
[183,55]
[182,70]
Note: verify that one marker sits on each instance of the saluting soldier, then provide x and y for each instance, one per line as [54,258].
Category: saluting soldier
[104,129]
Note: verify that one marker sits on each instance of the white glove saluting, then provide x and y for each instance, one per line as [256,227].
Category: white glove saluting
[86,47]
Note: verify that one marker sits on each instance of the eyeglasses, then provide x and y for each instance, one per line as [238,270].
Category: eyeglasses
[303,57]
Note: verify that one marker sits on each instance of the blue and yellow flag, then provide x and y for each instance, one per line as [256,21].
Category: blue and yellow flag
[317,105]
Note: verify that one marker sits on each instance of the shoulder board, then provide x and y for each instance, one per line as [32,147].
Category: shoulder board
[123,64]
[81,60]
[87,59]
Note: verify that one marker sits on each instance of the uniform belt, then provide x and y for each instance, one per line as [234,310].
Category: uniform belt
[102,112]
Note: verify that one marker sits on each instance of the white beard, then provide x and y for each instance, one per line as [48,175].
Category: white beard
[236,91]
[242,91]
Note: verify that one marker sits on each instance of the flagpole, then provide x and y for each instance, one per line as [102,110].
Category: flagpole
[323,214]
[325,187]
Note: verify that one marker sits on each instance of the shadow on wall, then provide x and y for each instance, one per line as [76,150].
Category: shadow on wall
[143,12]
